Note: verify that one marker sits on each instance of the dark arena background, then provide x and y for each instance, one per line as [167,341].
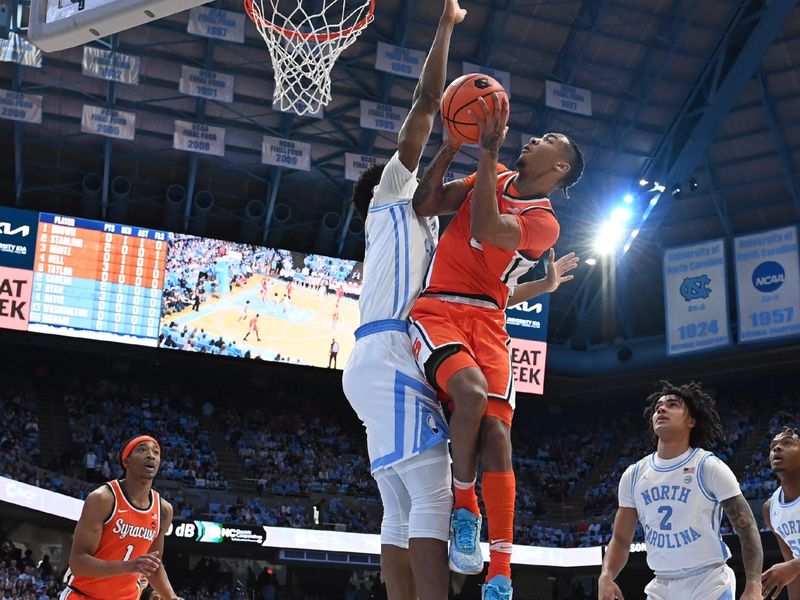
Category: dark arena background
[155,203]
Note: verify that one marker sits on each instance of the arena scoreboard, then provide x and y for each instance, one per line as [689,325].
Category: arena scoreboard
[97,280]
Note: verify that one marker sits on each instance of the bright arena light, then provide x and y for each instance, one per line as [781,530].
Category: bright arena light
[621,214]
[643,182]
[591,261]
[628,198]
[608,237]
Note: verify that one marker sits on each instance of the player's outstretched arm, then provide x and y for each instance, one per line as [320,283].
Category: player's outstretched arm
[556,275]
[159,580]
[784,574]
[617,553]
[433,196]
[417,127]
[744,524]
[86,539]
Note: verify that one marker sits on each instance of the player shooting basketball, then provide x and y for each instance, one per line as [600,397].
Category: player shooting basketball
[504,225]
[120,533]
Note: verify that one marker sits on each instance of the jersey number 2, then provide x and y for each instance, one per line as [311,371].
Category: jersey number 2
[128,552]
[667,512]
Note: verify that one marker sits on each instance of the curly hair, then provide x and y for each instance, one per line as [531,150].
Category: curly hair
[362,191]
[702,408]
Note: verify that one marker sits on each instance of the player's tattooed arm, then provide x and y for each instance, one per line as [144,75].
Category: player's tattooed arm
[433,197]
[744,524]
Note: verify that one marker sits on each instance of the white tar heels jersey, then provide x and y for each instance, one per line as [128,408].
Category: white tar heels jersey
[382,382]
[785,520]
[678,503]
[399,246]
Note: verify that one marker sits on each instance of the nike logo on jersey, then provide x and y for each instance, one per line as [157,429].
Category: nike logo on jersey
[122,510]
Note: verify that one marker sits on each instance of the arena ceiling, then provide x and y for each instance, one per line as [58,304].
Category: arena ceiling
[703,89]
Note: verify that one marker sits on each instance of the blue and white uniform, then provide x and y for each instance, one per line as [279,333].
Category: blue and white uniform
[678,502]
[406,428]
[784,517]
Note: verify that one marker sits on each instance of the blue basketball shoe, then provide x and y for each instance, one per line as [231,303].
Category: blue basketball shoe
[497,588]
[465,547]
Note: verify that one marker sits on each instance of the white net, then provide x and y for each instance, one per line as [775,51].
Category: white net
[304,39]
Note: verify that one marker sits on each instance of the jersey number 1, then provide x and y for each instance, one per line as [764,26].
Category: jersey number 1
[128,552]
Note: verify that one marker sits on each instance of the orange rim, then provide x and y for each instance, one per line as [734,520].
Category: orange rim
[313,37]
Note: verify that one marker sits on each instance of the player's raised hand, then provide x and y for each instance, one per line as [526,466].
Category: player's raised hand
[778,577]
[607,589]
[557,269]
[453,12]
[492,121]
[146,564]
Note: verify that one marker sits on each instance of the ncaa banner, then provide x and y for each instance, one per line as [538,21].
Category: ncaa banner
[112,66]
[18,50]
[768,285]
[504,77]
[382,117]
[199,137]
[286,153]
[356,164]
[695,298]
[568,98]
[108,122]
[216,23]
[17,106]
[526,323]
[399,61]
[206,84]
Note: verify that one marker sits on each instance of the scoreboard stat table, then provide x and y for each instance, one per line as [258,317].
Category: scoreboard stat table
[98,280]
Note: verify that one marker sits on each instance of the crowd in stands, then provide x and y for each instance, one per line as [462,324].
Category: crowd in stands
[104,413]
[296,452]
[24,578]
[758,480]
[310,466]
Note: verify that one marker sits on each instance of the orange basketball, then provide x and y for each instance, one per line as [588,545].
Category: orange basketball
[461,96]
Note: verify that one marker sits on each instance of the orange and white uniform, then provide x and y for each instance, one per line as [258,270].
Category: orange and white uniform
[127,534]
[459,319]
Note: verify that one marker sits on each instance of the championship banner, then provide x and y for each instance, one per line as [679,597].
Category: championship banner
[286,153]
[198,137]
[17,106]
[18,50]
[504,77]
[206,84]
[382,117]
[356,164]
[112,66]
[18,230]
[217,24]
[568,98]
[108,122]
[526,323]
[399,61]
[768,285]
[695,298]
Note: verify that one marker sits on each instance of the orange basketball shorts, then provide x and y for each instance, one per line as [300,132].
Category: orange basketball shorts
[447,337]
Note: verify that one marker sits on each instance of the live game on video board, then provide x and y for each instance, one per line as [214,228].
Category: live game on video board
[254,302]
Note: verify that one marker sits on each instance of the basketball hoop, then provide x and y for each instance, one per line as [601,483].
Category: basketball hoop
[304,45]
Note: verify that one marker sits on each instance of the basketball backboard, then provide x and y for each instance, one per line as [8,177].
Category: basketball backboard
[61,24]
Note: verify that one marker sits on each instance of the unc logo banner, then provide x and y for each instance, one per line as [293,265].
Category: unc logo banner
[695,298]
[768,284]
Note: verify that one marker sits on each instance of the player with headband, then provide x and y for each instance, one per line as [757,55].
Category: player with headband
[120,533]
